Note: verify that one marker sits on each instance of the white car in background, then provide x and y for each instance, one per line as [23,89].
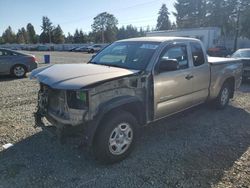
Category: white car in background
[95,48]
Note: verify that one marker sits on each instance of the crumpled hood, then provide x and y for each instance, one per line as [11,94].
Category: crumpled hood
[76,76]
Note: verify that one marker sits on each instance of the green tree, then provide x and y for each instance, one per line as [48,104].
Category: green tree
[104,27]
[69,39]
[245,23]
[57,35]
[76,36]
[142,33]
[128,32]
[20,39]
[190,13]
[1,40]
[163,22]
[83,37]
[206,13]
[221,14]
[9,36]
[25,35]
[32,38]
[47,28]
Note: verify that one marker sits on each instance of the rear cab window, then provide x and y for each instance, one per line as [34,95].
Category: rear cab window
[197,54]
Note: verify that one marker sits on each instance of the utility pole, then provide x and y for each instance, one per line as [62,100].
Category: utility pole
[102,34]
[49,37]
[237,29]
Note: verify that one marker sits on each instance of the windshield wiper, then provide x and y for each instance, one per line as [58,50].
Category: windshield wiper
[112,65]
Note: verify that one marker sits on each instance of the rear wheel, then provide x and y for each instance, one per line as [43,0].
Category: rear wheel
[223,98]
[19,71]
[115,138]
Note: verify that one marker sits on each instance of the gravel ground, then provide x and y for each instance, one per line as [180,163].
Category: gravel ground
[201,147]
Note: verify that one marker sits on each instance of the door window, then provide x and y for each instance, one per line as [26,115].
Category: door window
[178,53]
[197,54]
[5,53]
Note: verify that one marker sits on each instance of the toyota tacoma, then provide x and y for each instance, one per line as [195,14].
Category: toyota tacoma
[130,84]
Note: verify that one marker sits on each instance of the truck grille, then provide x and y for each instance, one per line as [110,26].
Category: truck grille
[56,100]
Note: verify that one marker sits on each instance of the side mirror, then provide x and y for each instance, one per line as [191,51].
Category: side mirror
[168,65]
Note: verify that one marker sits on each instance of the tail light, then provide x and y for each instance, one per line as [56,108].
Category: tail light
[33,58]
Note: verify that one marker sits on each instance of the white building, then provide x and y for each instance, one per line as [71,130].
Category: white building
[208,35]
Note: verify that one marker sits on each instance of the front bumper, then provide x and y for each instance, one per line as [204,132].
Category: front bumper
[53,105]
[61,131]
[32,66]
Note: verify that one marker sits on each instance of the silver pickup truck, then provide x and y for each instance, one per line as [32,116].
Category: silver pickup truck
[130,84]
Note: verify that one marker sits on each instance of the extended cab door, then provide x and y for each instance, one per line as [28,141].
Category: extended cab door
[200,72]
[173,89]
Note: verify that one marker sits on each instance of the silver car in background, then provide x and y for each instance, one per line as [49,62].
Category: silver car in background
[244,55]
[16,63]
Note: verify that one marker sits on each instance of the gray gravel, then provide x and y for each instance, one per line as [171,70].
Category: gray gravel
[201,147]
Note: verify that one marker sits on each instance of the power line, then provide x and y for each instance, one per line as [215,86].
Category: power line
[111,10]
[127,23]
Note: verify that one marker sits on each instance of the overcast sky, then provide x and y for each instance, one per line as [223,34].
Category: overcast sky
[78,13]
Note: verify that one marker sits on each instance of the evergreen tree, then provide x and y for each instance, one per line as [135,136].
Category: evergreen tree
[1,40]
[76,36]
[57,35]
[32,38]
[20,37]
[129,32]
[244,16]
[69,39]
[47,28]
[142,33]
[82,37]
[9,36]
[25,35]
[221,14]
[190,13]
[163,22]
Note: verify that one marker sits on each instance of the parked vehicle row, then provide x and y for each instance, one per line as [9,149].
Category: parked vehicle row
[89,49]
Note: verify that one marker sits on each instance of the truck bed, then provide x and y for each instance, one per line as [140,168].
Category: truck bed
[222,60]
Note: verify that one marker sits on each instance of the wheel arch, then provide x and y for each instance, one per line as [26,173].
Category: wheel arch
[130,104]
[231,82]
[19,64]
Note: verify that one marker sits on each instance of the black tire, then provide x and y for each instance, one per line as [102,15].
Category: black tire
[92,51]
[18,71]
[102,148]
[224,96]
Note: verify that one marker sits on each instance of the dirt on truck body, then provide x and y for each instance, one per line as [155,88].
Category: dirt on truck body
[129,84]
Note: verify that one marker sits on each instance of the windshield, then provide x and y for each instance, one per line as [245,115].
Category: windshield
[129,55]
[242,54]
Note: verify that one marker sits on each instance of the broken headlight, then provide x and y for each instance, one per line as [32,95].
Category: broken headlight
[77,99]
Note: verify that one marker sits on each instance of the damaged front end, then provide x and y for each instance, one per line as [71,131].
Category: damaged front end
[62,108]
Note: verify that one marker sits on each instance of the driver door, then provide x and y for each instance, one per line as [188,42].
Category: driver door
[173,89]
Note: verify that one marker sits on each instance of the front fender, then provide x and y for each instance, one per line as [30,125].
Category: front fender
[103,109]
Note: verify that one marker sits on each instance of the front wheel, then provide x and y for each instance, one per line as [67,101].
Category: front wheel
[115,137]
[223,98]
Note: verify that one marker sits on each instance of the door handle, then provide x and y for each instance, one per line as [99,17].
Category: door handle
[189,77]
